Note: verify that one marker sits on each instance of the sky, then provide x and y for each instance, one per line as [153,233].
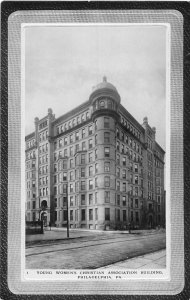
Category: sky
[63,63]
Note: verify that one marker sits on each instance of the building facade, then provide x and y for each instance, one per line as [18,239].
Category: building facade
[96,166]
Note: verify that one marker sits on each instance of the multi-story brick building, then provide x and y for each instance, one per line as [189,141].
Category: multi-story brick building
[100,161]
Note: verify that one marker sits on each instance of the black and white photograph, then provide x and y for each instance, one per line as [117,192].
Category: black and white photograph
[95,120]
[95,152]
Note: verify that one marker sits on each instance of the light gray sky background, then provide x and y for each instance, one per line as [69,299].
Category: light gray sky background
[64,63]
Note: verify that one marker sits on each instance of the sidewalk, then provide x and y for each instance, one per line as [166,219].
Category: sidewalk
[155,260]
[61,234]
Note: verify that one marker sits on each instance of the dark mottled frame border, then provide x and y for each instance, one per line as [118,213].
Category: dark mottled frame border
[8,7]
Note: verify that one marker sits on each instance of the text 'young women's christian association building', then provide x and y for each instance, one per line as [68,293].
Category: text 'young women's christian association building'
[100,161]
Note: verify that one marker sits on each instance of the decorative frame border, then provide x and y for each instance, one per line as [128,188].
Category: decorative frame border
[7,9]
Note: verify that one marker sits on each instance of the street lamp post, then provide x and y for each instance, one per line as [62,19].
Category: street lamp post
[67,210]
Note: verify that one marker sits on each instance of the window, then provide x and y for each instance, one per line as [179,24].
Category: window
[90,184]
[96,182]
[83,132]
[118,186]
[130,142]
[124,161]
[64,175]
[124,216]
[83,146]
[90,157]
[90,129]
[106,122]
[64,164]
[82,158]
[109,104]
[65,141]
[96,168]
[124,200]
[82,172]
[122,136]
[71,188]
[33,204]
[90,171]
[122,148]
[136,168]
[64,215]
[107,181]
[106,137]
[90,144]
[71,138]
[71,201]
[107,166]
[71,175]
[55,178]
[102,104]
[55,168]
[82,185]
[124,186]
[107,196]
[96,139]
[118,159]
[96,125]
[71,215]
[55,190]
[82,118]
[136,179]
[60,143]
[83,201]
[118,145]
[71,151]
[136,203]
[117,132]
[77,136]
[96,153]
[90,199]
[107,152]
[107,214]
[136,191]
[76,148]
[90,214]
[124,174]
[87,115]
[65,152]
[96,197]
[118,172]
[96,213]
[83,215]
[71,163]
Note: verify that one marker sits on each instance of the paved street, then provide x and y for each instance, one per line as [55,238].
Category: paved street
[90,249]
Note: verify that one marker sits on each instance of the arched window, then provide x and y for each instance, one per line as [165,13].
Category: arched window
[102,104]
[44,204]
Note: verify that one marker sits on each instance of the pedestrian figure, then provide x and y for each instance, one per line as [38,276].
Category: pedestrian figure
[49,225]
